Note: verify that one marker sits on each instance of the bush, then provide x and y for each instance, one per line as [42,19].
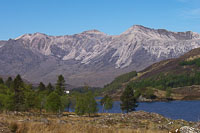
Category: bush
[168,92]
[86,103]
[53,103]
[150,94]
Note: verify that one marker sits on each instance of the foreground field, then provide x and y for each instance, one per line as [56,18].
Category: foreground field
[135,122]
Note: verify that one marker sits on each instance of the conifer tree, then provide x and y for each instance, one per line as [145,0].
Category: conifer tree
[8,82]
[128,101]
[18,82]
[30,100]
[50,87]
[60,85]
[19,100]
[1,81]
[41,86]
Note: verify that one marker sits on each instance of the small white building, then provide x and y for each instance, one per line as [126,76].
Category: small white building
[66,91]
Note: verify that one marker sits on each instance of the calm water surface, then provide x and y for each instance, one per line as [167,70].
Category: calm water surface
[187,110]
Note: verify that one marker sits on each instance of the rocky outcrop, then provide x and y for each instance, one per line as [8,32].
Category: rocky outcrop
[187,129]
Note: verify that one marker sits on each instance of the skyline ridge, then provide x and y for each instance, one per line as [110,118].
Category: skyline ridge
[98,31]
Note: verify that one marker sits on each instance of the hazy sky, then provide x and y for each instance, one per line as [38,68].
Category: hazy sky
[61,17]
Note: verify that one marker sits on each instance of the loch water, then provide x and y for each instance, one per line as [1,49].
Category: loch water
[186,110]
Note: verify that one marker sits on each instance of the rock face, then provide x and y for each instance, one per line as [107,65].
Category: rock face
[91,57]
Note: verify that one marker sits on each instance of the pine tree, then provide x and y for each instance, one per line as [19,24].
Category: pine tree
[41,87]
[49,87]
[1,81]
[9,82]
[18,82]
[60,85]
[18,93]
[128,101]
[30,98]
[40,101]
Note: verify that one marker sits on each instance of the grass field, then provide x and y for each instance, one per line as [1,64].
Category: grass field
[135,122]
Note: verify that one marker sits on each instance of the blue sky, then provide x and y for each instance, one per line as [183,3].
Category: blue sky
[61,17]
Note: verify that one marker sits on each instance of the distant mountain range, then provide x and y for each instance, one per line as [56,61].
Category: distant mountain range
[91,57]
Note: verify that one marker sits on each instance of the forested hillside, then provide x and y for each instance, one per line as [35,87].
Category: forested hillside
[165,77]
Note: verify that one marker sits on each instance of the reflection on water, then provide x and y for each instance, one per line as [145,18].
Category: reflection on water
[187,110]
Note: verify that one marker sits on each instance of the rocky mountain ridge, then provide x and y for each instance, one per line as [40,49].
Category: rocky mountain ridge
[91,57]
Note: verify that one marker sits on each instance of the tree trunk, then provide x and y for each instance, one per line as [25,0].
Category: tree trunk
[41,108]
[103,109]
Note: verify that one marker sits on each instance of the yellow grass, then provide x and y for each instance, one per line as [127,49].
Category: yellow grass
[74,124]
[192,58]
[67,128]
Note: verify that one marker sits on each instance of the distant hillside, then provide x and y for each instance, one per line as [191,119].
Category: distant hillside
[117,83]
[177,78]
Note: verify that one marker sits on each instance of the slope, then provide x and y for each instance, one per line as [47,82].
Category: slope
[176,79]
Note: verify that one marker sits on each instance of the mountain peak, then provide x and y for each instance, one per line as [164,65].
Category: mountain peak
[139,27]
[28,36]
[94,31]
[136,28]
[39,34]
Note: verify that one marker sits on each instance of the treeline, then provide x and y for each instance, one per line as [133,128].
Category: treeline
[16,95]
[165,82]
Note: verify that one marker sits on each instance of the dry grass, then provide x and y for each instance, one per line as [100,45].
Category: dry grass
[138,122]
[192,58]
[67,128]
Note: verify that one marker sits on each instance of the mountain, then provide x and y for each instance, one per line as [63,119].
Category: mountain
[91,57]
[179,76]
